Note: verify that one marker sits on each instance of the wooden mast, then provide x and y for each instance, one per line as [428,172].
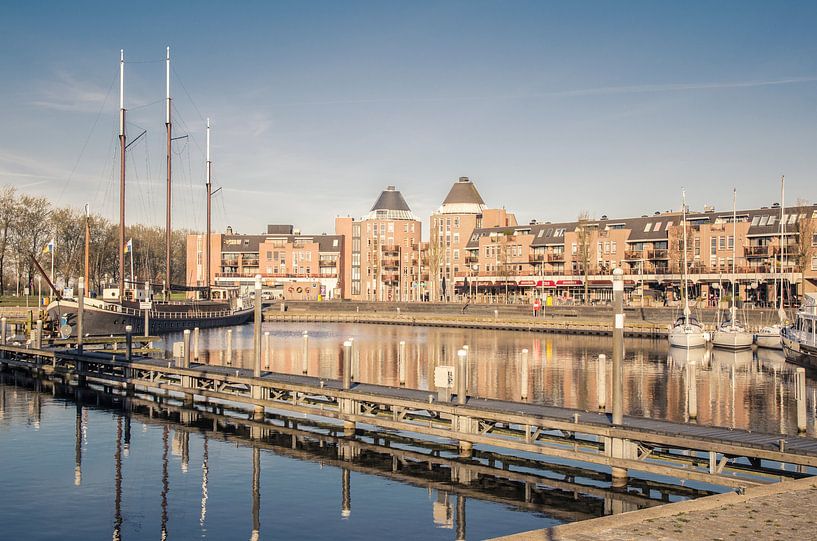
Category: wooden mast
[121,174]
[87,248]
[169,129]
[209,214]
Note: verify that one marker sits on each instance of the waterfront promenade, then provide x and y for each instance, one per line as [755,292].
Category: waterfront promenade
[783,510]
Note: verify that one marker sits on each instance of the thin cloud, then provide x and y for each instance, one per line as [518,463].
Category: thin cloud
[69,94]
[579,92]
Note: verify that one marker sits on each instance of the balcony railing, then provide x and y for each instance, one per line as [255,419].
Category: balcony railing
[633,254]
[534,258]
[555,257]
[759,251]
[658,254]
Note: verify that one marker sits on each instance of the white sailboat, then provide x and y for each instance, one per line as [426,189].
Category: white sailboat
[730,334]
[769,336]
[687,332]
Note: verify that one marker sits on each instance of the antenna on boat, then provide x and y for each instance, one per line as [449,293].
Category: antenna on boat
[780,312]
[209,207]
[121,174]
[684,276]
[169,128]
[734,250]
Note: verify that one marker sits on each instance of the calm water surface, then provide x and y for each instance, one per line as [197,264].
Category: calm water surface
[748,390]
[97,466]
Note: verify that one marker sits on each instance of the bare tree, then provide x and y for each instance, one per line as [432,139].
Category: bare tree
[32,232]
[583,241]
[807,229]
[8,221]
[435,254]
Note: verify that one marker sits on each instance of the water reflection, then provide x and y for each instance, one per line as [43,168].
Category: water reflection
[496,484]
[731,389]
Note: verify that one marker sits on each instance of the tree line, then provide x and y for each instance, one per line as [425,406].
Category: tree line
[28,223]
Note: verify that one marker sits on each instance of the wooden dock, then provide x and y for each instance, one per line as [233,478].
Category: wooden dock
[721,456]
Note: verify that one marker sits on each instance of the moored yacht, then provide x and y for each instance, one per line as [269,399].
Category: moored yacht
[800,338]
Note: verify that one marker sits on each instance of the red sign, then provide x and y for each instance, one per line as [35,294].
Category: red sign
[545,283]
[569,282]
[527,283]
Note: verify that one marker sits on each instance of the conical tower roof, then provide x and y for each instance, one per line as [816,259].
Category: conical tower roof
[391,205]
[463,198]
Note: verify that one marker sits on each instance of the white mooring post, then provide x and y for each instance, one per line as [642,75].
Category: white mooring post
[401,362]
[196,333]
[257,320]
[229,347]
[267,352]
[305,353]
[347,364]
[618,445]
[186,350]
[800,398]
[523,373]
[692,390]
[39,339]
[461,387]
[147,310]
[601,380]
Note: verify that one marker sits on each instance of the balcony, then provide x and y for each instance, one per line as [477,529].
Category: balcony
[390,249]
[556,257]
[658,254]
[471,259]
[633,255]
[327,262]
[536,258]
[759,251]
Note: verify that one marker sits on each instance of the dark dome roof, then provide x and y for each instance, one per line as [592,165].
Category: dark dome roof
[463,191]
[391,199]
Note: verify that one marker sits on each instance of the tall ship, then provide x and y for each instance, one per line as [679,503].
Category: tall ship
[132,306]
[800,338]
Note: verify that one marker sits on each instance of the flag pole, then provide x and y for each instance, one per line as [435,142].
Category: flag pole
[53,247]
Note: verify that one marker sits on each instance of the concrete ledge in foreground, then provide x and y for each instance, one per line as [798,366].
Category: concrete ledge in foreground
[784,510]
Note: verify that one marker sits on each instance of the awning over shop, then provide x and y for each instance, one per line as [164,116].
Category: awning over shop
[545,283]
[527,283]
[568,282]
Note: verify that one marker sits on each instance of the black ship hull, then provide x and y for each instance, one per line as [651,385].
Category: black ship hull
[113,319]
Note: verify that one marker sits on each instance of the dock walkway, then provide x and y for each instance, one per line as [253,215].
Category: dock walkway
[720,456]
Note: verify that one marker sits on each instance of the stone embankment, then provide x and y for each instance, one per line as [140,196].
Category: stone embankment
[645,322]
[784,510]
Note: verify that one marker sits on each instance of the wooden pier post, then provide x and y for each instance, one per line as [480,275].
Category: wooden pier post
[461,390]
[257,320]
[800,397]
[147,310]
[348,406]
[305,354]
[460,518]
[229,347]
[692,391]
[267,352]
[617,445]
[80,313]
[38,341]
[128,343]
[186,346]
[347,364]
[196,333]
[601,380]
[523,380]
[401,362]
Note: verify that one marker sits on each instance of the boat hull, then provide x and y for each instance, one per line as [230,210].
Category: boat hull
[103,322]
[800,354]
[732,340]
[687,340]
[768,341]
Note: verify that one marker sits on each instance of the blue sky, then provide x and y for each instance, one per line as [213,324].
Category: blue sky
[551,108]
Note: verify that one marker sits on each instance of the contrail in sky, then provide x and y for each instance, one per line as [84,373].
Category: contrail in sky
[599,91]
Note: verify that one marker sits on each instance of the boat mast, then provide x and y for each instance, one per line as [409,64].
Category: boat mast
[781,314]
[87,247]
[684,276]
[734,249]
[209,206]
[121,174]
[169,129]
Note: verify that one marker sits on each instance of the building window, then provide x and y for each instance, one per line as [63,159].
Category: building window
[713,246]
[814,263]
[814,240]
[731,242]
[722,242]
[647,227]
